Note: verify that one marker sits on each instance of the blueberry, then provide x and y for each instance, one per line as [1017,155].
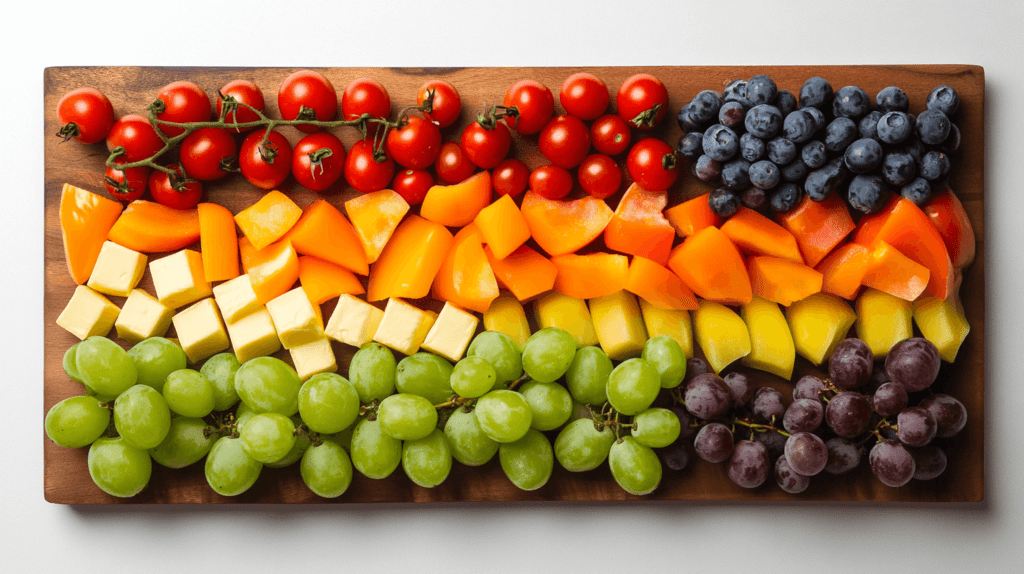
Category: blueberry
[781,151]
[816,93]
[868,125]
[863,155]
[918,191]
[943,99]
[686,120]
[822,182]
[731,114]
[813,154]
[751,148]
[753,198]
[760,90]
[851,102]
[898,167]
[932,127]
[933,165]
[799,126]
[723,202]
[894,127]
[705,106]
[720,143]
[866,193]
[706,169]
[785,101]
[819,118]
[840,133]
[794,171]
[691,145]
[736,174]
[785,197]
[764,174]
[892,99]
[914,147]
[736,91]
[763,121]
[952,141]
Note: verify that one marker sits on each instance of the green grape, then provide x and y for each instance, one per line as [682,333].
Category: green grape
[105,367]
[328,403]
[302,442]
[267,437]
[426,375]
[118,468]
[634,466]
[407,417]
[665,355]
[268,385]
[587,376]
[428,460]
[141,417]
[501,352]
[550,403]
[186,443]
[473,377]
[504,415]
[220,370]
[374,453]
[372,372]
[469,444]
[76,421]
[656,428]
[229,471]
[243,413]
[70,368]
[580,411]
[529,461]
[155,358]
[326,469]
[581,446]
[548,354]
[344,438]
[633,386]
[188,393]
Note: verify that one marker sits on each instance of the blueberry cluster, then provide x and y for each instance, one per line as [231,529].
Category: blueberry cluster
[764,148]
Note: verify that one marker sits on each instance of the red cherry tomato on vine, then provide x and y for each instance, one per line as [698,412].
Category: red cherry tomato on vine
[584,95]
[565,141]
[510,177]
[652,164]
[364,173]
[265,166]
[486,147]
[318,161]
[412,185]
[453,165]
[610,134]
[164,192]
[447,104]
[416,144]
[551,181]
[599,176]
[184,102]
[642,101]
[535,104]
[310,90]
[366,96]
[85,114]
[243,92]
[126,185]
[206,151]
[135,134]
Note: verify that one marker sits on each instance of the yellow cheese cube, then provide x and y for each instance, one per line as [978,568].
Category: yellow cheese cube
[142,316]
[771,342]
[403,327]
[354,321]
[200,330]
[674,323]
[117,271]
[568,314]
[179,278]
[818,323]
[88,314]
[254,335]
[721,334]
[506,315]
[236,298]
[942,322]
[883,320]
[451,333]
[313,358]
[297,319]
[619,326]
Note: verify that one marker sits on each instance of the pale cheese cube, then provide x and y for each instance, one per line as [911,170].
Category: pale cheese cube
[403,327]
[313,358]
[117,271]
[200,330]
[354,321]
[254,335]
[88,314]
[297,319]
[451,333]
[142,317]
[236,298]
[179,278]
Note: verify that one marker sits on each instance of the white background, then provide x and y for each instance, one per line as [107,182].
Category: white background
[36,536]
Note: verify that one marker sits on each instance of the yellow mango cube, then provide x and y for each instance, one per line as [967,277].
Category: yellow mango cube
[200,330]
[451,333]
[142,317]
[254,335]
[297,319]
[883,320]
[506,315]
[619,325]
[673,323]
[88,314]
[236,298]
[818,323]
[313,358]
[942,322]
[569,314]
[404,327]
[179,278]
[721,333]
[771,342]
[117,271]
[354,321]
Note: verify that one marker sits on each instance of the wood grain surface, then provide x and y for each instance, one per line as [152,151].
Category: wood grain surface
[131,89]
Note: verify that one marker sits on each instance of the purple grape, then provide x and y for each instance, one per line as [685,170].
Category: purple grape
[788,479]
[739,388]
[843,456]
[748,465]
[913,363]
[878,377]
[714,443]
[806,453]
[892,463]
[686,432]
[767,403]
[695,366]
[916,426]
[929,462]
[707,396]
[808,387]
[773,441]
[803,415]
[851,364]
[889,399]
[674,456]
[848,414]
[950,414]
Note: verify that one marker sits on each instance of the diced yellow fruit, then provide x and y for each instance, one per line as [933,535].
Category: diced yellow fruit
[117,271]
[404,327]
[818,323]
[771,342]
[200,330]
[354,321]
[236,298]
[883,320]
[568,314]
[674,323]
[721,333]
[451,333]
[297,319]
[313,358]
[88,314]
[179,278]
[942,322]
[619,325]
[142,317]
[506,315]
[254,335]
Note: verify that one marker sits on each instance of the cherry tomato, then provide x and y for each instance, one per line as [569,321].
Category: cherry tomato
[126,185]
[652,164]
[510,177]
[243,92]
[642,101]
[447,105]
[183,102]
[565,141]
[584,95]
[85,114]
[610,134]
[599,175]
[412,185]
[318,161]
[310,90]
[206,152]
[265,166]
[551,181]
[534,103]
[416,144]
[135,134]
[486,147]
[366,96]
[364,173]
[453,165]
[164,192]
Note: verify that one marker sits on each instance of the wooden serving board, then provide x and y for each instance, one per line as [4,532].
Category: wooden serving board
[131,89]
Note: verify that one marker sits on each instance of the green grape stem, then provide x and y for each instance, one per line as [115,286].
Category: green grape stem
[315,438]
[523,379]
[455,401]
[757,427]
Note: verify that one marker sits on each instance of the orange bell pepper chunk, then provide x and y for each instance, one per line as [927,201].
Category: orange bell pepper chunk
[276,271]
[781,280]
[692,216]
[894,273]
[465,278]
[323,232]
[591,275]
[755,234]
[524,272]
[375,216]
[324,280]
[818,226]
[658,285]
[85,222]
[561,227]
[149,227]
[947,214]
[710,264]
[457,205]
[638,227]
[843,270]
[410,260]
[910,231]
[267,220]
[869,225]
[218,241]
[502,226]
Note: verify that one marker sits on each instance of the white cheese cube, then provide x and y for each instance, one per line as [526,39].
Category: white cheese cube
[200,330]
[451,333]
[254,335]
[313,358]
[142,316]
[179,278]
[236,298]
[297,319]
[88,314]
[403,327]
[354,321]
[117,271]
